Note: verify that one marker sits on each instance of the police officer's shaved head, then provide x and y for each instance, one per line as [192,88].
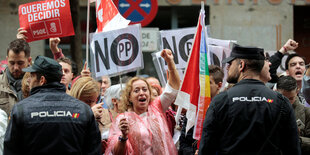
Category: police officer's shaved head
[244,60]
[255,66]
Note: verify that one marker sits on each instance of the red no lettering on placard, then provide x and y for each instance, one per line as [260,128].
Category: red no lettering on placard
[46,19]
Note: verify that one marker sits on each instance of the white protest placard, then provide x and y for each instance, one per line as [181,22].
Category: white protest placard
[116,52]
[219,42]
[160,69]
[216,54]
[179,41]
[158,63]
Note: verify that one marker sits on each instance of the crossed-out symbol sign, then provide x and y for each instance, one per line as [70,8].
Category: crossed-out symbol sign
[138,11]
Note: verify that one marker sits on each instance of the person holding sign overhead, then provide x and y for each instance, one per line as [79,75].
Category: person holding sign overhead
[143,129]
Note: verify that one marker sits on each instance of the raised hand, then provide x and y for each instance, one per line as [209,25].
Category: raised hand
[166,54]
[54,44]
[173,76]
[288,46]
[85,72]
[21,33]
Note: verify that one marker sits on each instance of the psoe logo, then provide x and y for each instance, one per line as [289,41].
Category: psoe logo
[42,114]
[252,99]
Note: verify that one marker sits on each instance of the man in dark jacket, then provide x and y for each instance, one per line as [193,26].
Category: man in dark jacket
[18,57]
[287,86]
[246,119]
[49,121]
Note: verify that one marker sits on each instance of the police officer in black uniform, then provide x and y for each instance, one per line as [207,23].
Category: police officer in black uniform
[49,121]
[249,118]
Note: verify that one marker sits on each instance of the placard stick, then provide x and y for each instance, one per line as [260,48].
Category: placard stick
[87,30]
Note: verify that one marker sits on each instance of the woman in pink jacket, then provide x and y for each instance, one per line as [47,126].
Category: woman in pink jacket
[143,129]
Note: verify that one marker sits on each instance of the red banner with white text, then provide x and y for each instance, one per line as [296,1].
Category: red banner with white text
[46,19]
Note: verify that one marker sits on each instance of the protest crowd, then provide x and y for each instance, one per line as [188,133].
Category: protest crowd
[46,108]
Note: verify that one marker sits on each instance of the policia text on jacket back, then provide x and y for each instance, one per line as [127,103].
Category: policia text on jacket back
[249,118]
[49,121]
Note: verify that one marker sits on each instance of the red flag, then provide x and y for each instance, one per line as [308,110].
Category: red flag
[194,94]
[108,17]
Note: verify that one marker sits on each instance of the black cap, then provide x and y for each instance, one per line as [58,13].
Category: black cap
[46,66]
[245,53]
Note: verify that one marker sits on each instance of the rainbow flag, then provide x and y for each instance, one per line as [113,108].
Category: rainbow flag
[194,94]
[204,79]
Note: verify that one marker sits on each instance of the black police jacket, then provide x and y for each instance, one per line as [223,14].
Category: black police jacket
[238,121]
[52,122]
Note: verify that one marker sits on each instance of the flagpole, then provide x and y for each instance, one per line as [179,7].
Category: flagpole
[185,94]
[87,30]
[178,115]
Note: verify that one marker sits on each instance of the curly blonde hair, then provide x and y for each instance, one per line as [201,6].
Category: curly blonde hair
[84,86]
[126,92]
